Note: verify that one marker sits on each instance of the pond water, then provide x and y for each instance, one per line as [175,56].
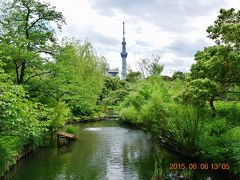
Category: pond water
[103,150]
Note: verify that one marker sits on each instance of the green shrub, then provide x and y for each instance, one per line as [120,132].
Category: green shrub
[189,129]
[71,129]
[9,149]
[59,114]
[212,143]
[186,124]
[233,143]
[230,111]
[129,114]
[178,126]
[154,114]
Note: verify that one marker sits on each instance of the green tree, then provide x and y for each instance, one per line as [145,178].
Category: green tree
[178,75]
[226,28]
[218,63]
[25,34]
[133,76]
[78,77]
[151,66]
[113,91]
[22,122]
[200,91]
[217,68]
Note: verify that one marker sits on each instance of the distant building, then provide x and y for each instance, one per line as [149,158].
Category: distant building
[112,72]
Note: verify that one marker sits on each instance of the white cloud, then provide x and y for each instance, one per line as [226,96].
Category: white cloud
[175,28]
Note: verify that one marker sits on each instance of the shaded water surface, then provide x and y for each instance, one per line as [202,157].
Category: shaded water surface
[104,150]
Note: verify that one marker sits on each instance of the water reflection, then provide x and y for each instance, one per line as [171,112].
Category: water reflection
[92,129]
[103,151]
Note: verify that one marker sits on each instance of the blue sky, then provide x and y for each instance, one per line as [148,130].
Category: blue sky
[175,29]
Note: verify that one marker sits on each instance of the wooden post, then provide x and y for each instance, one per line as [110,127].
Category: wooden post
[58,139]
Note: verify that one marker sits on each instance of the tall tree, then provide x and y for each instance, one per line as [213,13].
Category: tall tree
[151,66]
[217,68]
[218,63]
[178,75]
[80,76]
[77,79]
[226,28]
[25,34]
[133,76]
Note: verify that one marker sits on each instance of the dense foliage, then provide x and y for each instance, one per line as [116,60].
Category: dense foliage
[22,124]
[153,107]
[216,72]
[197,114]
[26,32]
[42,83]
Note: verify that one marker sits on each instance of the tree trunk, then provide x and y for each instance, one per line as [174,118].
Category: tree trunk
[17,74]
[22,73]
[211,102]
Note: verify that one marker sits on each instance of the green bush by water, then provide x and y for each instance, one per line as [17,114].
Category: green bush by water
[185,128]
[71,129]
[153,108]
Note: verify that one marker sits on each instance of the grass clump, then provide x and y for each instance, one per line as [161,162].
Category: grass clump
[71,129]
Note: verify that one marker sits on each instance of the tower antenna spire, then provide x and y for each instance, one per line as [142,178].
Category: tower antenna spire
[123,29]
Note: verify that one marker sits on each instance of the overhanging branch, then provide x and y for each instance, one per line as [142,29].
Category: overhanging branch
[39,74]
[46,52]
[35,22]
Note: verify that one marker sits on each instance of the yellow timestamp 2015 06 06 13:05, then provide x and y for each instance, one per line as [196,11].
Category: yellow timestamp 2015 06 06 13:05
[201,166]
